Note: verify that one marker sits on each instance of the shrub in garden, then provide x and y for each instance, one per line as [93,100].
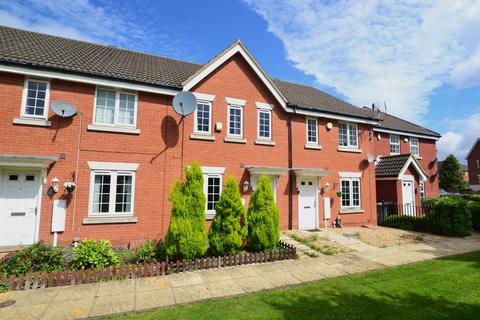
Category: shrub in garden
[186,237]
[92,254]
[39,257]
[147,252]
[474,207]
[228,228]
[263,218]
[451,216]
[407,223]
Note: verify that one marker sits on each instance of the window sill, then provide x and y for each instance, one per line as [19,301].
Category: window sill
[196,136]
[234,140]
[210,216]
[313,146]
[265,142]
[351,210]
[349,149]
[418,157]
[95,127]
[110,219]
[32,122]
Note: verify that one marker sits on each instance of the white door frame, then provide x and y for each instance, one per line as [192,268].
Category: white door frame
[41,173]
[409,178]
[316,182]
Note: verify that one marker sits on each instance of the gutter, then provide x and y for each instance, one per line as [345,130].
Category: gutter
[290,171]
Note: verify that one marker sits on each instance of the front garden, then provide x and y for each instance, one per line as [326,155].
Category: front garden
[235,237]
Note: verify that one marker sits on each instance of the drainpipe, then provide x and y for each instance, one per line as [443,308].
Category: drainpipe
[290,173]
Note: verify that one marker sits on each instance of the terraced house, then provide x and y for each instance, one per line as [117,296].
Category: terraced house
[106,171]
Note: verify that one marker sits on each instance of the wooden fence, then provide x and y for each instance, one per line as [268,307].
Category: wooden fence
[37,280]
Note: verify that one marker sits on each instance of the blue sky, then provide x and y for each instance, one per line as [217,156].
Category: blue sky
[422,58]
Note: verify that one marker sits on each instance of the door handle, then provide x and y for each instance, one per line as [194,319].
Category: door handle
[306,207]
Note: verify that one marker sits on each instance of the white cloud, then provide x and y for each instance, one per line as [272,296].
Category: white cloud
[459,138]
[375,51]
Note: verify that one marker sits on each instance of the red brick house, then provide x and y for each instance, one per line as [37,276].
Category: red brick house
[125,146]
[473,163]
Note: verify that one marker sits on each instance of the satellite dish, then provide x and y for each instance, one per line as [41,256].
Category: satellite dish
[184,103]
[63,109]
[370,158]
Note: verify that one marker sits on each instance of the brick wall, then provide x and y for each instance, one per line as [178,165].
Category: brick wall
[473,170]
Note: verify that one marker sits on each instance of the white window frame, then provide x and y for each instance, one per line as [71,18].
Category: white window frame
[195,128]
[23,110]
[213,172]
[478,164]
[114,169]
[394,143]
[421,189]
[316,131]
[417,145]
[236,107]
[350,186]
[349,145]
[269,112]
[117,108]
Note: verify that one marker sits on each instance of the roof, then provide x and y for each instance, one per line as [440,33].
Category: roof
[473,147]
[36,50]
[391,166]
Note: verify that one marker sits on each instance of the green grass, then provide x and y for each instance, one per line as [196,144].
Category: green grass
[446,288]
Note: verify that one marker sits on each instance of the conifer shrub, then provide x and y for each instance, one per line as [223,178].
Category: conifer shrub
[228,230]
[263,218]
[185,238]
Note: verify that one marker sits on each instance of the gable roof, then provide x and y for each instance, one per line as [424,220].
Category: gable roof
[473,147]
[46,52]
[395,166]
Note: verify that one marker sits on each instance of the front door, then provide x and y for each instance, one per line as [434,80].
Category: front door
[307,204]
[408,195]
[18,207]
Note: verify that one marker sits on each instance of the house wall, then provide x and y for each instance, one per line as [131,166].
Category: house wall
[427,159]
[473,170]
[387,191]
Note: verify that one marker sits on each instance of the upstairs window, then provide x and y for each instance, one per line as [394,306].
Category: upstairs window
[264,124]
[394,144]
[235,121]
[203,118]
[478,164]
[114,108]
[348,135]
[312,131]
[35,98]
[414,147]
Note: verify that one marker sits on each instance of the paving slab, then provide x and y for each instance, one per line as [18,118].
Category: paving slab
[154,299]
[113,304]
[79,292]
[115,287]
[191,293]
[185,279]
[70,309]
[281,279]
[151,284]
[224,288]
[255,283]
[32,312]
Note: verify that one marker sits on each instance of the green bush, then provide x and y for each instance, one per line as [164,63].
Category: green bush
[39,257]
[407,223]
[92,254]
[451,217]
[228,228]
[147,252]
[474,207]
[263,218]
[185,238]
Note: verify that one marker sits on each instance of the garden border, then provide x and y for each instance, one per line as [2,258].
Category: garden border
[39,280]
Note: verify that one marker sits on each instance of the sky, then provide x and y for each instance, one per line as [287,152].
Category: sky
[419,58]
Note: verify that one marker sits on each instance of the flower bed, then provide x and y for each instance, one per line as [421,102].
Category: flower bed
[37,280]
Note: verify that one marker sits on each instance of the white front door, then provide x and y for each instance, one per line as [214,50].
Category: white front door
[408,195]
[18,207]
[307,203]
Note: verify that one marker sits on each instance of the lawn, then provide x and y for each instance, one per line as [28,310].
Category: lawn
[446,288]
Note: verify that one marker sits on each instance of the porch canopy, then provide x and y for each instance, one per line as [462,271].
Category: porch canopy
[30,161]
[394,167]
[264,170]
[311,172]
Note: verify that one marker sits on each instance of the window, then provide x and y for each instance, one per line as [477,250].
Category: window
[312,131]
[112,192]
[414,148]
[114,108]
[478,178]
[264,124]
[203,116]
[478,164]
[35,98]
[348,135]
[394,144]
[235,121]
[350,192]
[421,189]
[212,188]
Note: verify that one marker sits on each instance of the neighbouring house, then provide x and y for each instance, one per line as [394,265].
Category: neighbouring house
[125,147]
[473,163]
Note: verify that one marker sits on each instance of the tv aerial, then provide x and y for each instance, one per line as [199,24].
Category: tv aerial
[184,103]
[63,109]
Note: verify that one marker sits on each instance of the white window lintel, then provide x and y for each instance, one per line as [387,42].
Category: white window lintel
[235,102]
[350,174]
[204,96]
[213,170]
[115,166]
[264,105]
